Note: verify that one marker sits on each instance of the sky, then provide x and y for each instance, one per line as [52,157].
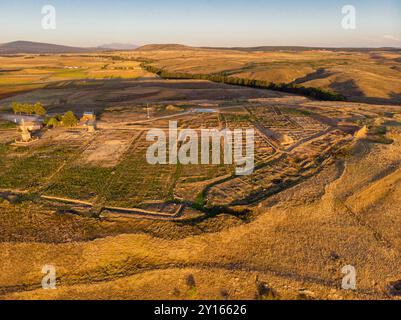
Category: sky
[204,22]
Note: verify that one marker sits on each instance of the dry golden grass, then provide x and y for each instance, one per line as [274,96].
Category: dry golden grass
[360,76]
[296,241]
[22,73]
[300,243]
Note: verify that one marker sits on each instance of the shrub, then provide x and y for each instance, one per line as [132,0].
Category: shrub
[53,122]
[39,109]
[69,119]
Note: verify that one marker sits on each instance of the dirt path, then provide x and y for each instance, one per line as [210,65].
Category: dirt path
[67,200]
[305,140]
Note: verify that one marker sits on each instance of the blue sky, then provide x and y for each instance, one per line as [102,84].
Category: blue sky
[204,22]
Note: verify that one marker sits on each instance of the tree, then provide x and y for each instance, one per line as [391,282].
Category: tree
[69,119]
[27,108]
[53,122]
[16,107]
[39,109]
[36,108]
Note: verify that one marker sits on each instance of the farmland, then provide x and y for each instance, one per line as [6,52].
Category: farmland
[324,192]
[26,73]
[363,76]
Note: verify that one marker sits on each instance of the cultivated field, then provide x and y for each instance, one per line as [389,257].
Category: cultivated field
[324,193]
[364,76]
[19,73]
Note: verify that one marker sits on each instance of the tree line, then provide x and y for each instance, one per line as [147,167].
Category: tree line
[30,109]
[315,93]
[68,119]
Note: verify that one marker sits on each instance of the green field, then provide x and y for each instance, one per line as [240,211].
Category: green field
[25,170]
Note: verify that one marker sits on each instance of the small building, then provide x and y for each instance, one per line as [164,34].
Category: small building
[26,128]
[88,116]
[31,125]
[88,121]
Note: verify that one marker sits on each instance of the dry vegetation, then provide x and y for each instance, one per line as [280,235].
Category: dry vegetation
[20,73]
[360,76]
[324,194]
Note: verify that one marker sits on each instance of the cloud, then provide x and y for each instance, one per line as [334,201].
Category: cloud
[392,38]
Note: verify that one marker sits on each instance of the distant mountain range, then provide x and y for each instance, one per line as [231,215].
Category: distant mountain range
[175,47]
[165,47]
[301,48]
[119,46]
[38,48]
[19,47]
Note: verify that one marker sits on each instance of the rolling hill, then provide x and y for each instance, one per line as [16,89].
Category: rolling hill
[165,47]
[38,47]
[359,74]
[118,46]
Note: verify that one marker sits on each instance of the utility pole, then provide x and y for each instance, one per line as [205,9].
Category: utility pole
[147,110]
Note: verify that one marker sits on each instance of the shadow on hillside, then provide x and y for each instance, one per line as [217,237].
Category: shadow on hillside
[318,74]
[394,99]
[122,83]
[348,88]
[395,96]
[353,93]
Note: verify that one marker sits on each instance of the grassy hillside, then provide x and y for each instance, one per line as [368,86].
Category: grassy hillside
[296,248]
[363,76]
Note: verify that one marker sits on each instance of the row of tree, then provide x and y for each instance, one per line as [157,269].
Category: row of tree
[316,93]
[68,119]
[27,108]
